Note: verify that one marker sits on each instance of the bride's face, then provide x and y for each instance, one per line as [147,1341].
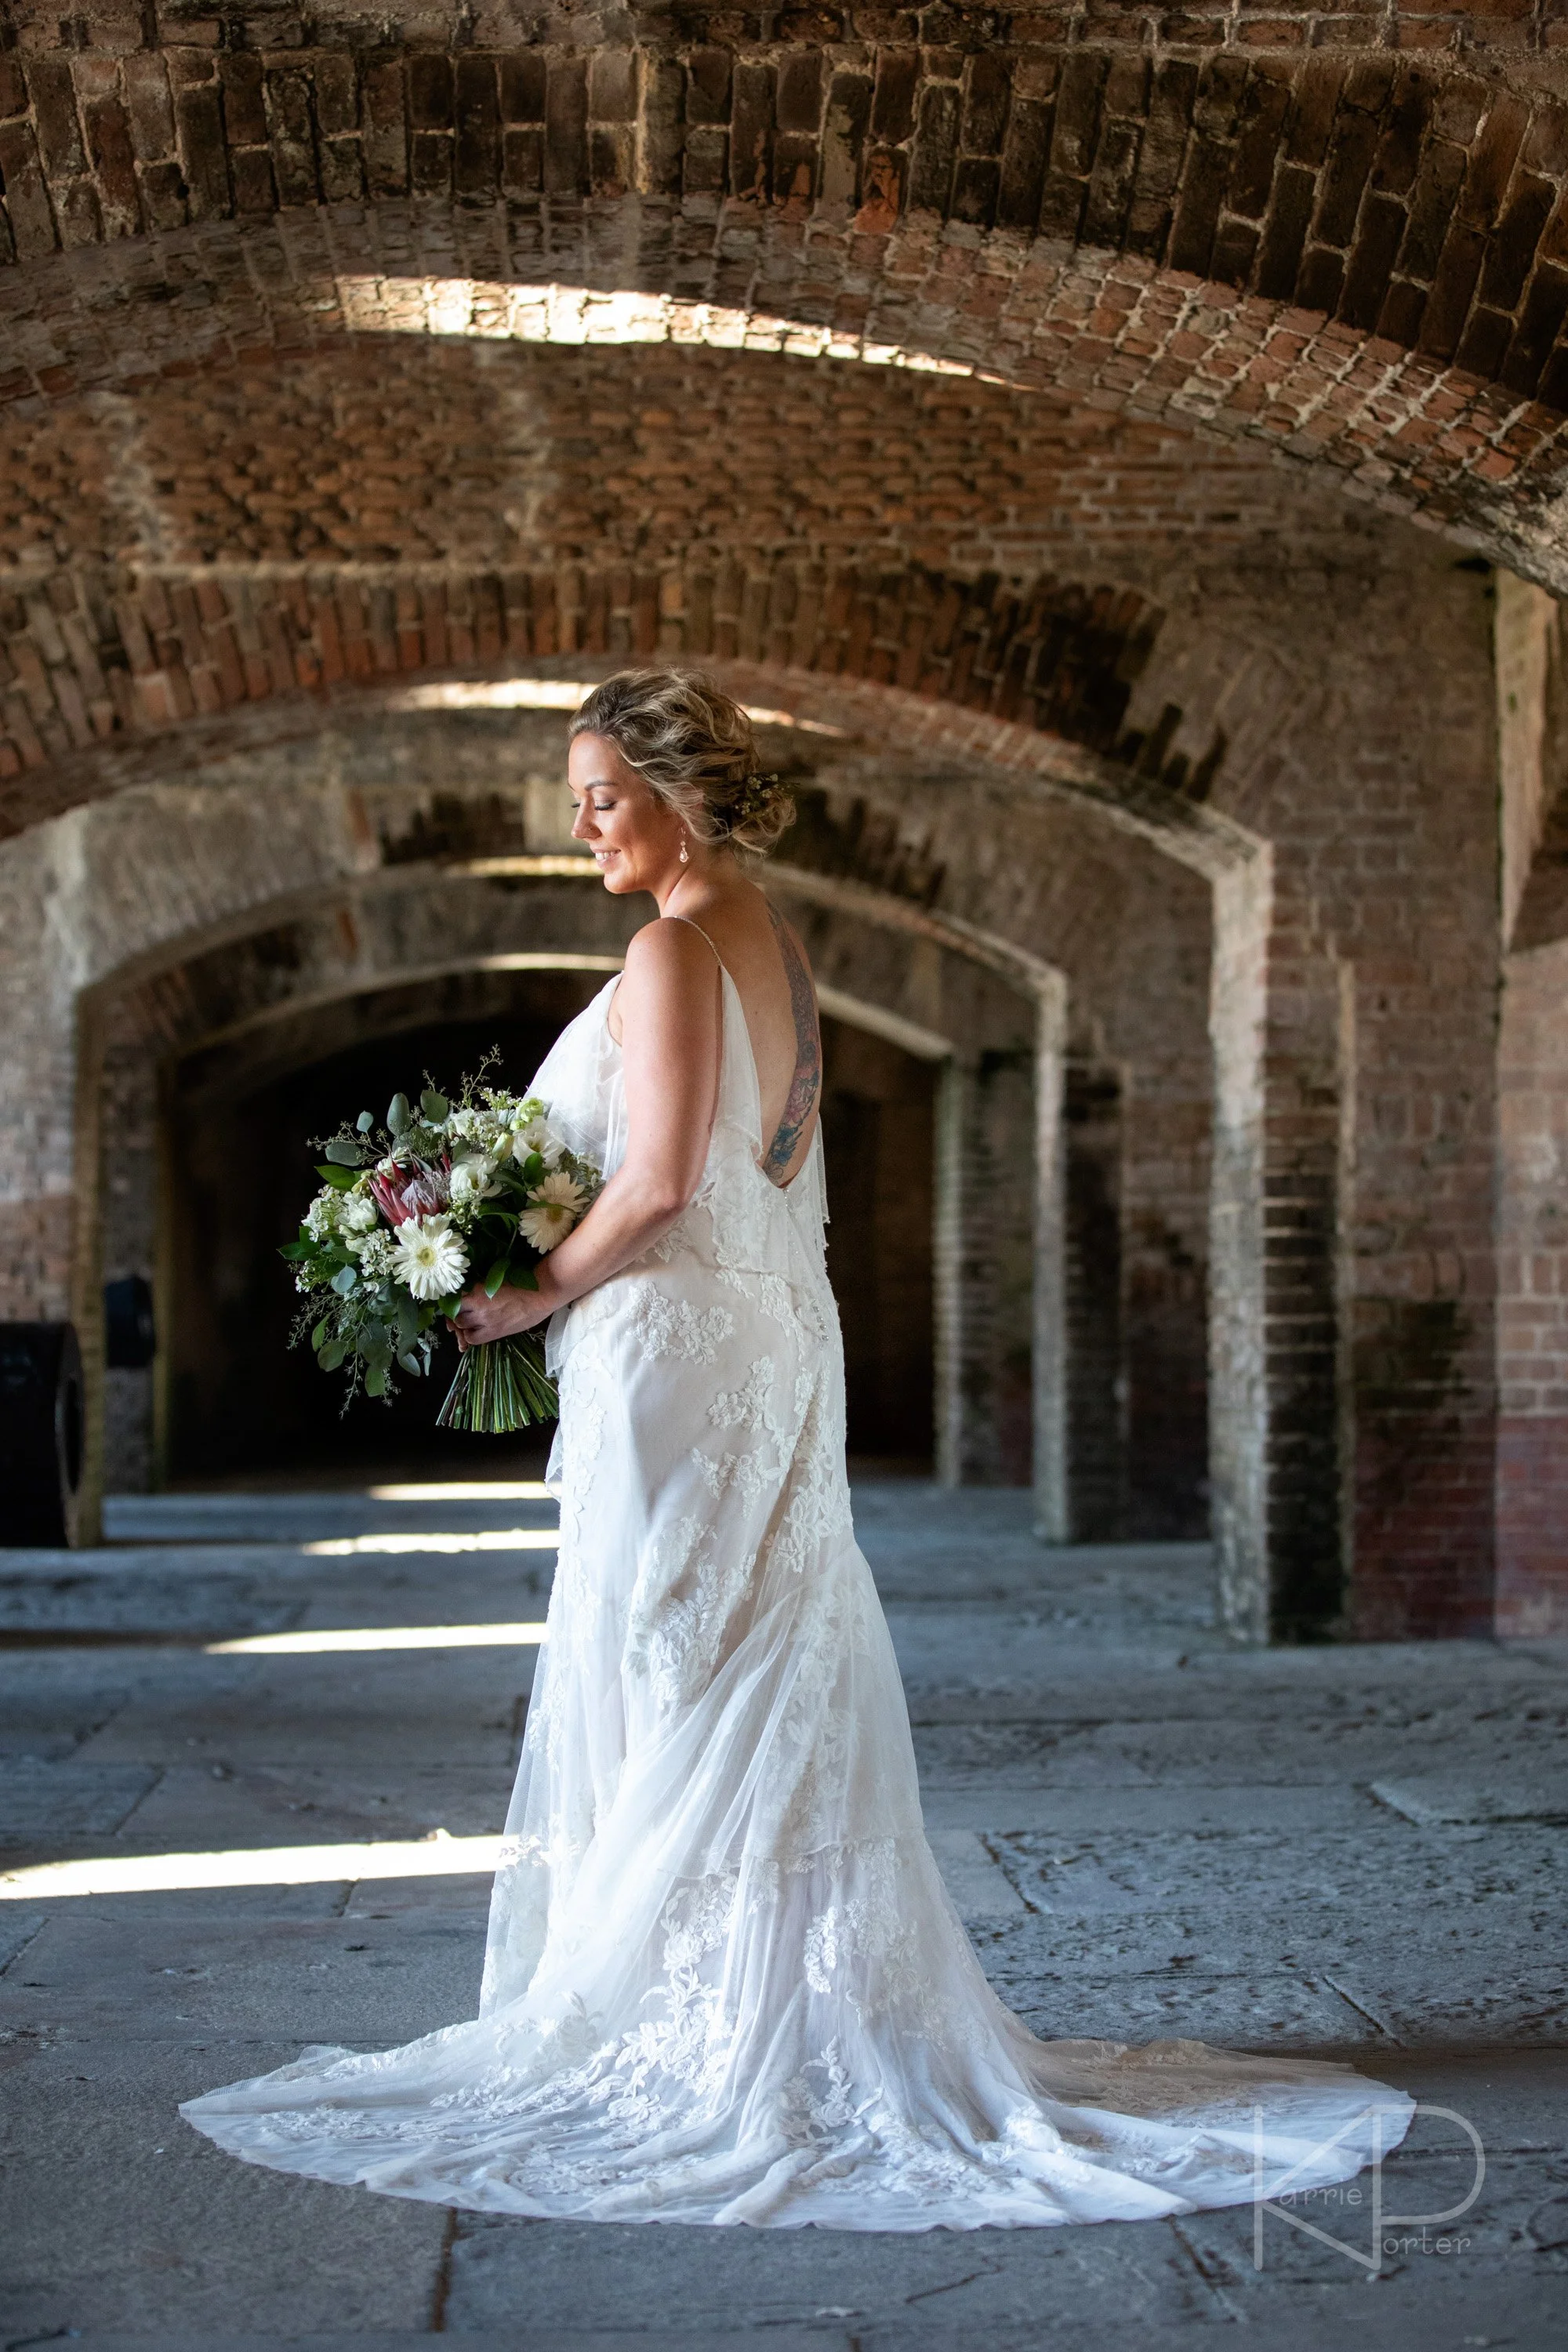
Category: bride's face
[634,837]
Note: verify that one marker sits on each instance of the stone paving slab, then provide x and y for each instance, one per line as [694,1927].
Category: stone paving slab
[1065,1810]
[1497,1796]
[201,1980]
[334,1711]
[227,1805]
[65,1800]
[127,2219]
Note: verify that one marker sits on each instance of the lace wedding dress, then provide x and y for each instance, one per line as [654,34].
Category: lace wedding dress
[724,1982]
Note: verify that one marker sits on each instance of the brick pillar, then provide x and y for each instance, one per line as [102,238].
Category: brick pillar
[985,1240]
[1532,1305]
[999,1290]
[1238,1415]
[1531,1599]
[1306,1100]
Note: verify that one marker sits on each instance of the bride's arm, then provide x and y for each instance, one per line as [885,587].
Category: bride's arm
[672,1032]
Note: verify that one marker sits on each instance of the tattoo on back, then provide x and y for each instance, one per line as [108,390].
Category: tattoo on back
[806,1083]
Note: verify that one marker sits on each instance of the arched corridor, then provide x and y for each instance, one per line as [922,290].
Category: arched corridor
[1121,459]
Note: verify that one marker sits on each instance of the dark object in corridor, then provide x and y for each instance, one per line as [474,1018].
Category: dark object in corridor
[130,1336]
[40,1433]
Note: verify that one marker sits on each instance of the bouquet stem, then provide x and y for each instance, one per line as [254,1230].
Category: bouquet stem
[500,1386]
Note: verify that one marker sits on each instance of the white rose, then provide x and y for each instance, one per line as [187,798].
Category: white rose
[541,1137]
[470,1182]
[357,1213]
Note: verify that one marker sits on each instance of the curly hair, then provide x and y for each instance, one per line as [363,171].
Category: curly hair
[693,746]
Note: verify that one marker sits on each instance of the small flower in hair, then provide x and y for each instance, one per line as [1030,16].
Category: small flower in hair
[753,797]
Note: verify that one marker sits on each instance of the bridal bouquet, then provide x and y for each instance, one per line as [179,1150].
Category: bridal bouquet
[405,1213]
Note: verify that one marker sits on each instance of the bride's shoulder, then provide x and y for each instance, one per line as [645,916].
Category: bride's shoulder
[670,946]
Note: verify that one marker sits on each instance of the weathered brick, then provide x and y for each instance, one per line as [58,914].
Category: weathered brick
[204,154]
[61,140]
[430,92]
[751,129]
[291,137]
[26,196]
[844,134]
[477,121]
[523,88]
[893,107]
[114,166]
[244,100]
[987,85]
[936,147]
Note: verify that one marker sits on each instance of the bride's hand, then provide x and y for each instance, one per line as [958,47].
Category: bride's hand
[480,1319]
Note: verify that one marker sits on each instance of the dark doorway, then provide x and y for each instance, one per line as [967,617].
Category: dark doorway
[1097,1414]
[878,1125]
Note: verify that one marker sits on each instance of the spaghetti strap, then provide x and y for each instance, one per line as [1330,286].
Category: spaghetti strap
[700,933]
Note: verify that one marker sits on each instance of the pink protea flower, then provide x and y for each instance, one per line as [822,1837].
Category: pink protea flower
[417,1192]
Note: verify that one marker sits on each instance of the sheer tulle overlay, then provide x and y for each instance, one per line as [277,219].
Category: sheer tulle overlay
[724,1982]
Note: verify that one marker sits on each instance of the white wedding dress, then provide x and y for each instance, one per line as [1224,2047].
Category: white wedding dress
[724,1982]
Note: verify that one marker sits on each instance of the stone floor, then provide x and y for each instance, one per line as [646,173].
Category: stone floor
[1349,1851]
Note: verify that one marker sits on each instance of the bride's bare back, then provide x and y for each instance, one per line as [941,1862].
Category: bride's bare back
[767,963]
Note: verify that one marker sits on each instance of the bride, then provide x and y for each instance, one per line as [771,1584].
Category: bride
[724,1982]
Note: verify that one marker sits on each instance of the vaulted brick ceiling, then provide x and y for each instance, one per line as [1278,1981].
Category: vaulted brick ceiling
[275,412]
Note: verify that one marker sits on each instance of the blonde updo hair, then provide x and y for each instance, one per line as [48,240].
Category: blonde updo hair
[693,747]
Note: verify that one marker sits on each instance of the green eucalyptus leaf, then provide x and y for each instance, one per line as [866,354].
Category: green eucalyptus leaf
[412,1365]
[318,1336]
[365,1122]
[434,1106]
[332,1355]
[375,1381]
[344,1154]
[345,1279]
[399,1116]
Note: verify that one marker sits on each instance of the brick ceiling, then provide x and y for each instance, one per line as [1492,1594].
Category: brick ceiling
[271,297]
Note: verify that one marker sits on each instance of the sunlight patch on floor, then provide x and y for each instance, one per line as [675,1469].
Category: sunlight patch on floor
[335,1639]
[439,1856]
[481,1539]
[465,1490]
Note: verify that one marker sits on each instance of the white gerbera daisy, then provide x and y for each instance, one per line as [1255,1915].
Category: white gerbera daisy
[429,1259]
[556,1205]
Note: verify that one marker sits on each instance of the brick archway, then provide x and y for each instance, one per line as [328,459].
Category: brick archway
[1358,257]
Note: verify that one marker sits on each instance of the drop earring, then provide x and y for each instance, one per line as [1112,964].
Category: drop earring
[685,853]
